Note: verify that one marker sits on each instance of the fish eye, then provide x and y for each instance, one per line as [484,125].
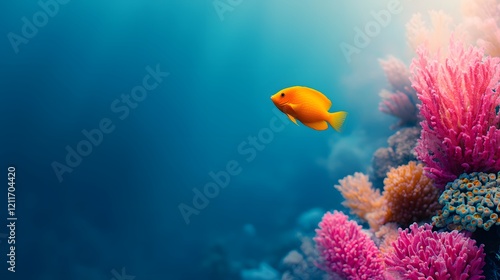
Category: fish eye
[282,94]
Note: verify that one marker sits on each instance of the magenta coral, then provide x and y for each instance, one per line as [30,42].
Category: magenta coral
[424,254]
[347,251]
[459,94]
[481,19]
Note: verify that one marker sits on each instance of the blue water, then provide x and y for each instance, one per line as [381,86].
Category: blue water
[119,205]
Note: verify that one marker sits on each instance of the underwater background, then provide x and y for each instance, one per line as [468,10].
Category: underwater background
[202,74]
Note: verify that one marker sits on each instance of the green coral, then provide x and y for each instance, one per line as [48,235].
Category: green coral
[472,201]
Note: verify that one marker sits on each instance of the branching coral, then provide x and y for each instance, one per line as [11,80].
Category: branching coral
[360,197]
[482,22]
[410,195]
[471,201]
[420,253]
[345,250]
[399,105]
[397,74]
[460,131]
[433,38]
[402,100]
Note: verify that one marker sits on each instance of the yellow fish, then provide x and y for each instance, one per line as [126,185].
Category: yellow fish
[309,106]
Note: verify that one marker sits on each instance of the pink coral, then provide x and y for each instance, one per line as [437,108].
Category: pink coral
[482,21]
[459,94]
[433,36]
[399,105]
[401,101]
[424,254]
[346,250]
[397,74]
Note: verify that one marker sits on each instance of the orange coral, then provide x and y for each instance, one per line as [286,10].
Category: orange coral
[410,196]
[361,198]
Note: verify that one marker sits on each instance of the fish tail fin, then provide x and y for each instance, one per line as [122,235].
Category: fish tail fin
[337,119]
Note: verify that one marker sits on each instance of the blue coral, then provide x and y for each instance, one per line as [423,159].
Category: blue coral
[472,201]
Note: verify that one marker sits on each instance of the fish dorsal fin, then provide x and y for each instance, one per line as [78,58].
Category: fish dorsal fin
[292,119]
[319,96]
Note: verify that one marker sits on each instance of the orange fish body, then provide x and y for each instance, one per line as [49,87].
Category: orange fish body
[309,106]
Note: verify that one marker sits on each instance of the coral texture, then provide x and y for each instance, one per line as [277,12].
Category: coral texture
[345,250]
[300,264]
[420,253]
[410,195]
[401,102]
[400,151]
[386,235]
[397,73]
[460,130]
[482,24]
[433,38]
[360,197]
[399,105]
[471,201]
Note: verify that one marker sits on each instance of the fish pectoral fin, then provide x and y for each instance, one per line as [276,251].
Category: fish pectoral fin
[321,125]
[292,119]
[294,107]
[290,108]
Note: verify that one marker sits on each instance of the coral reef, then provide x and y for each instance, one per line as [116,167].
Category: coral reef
[472,201]
[360,197]
[400,151]
[398,75]
[401,101]
[420,253]
[433,38]
[409,195]
[387,234]
[482,24]
[460,130]
[400,105]
[301,265]
[448,104]
[345,250]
